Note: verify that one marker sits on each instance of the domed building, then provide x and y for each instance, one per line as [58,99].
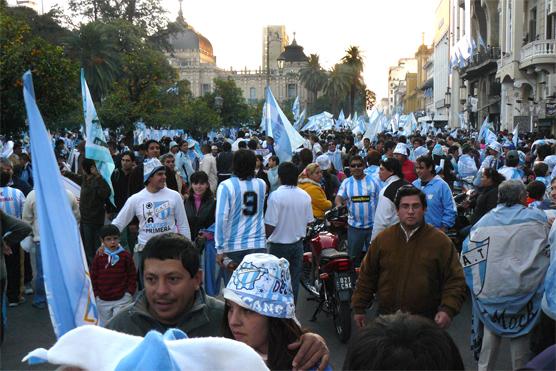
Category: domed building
[195,61]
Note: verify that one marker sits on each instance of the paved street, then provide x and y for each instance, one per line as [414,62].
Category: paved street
[30,328]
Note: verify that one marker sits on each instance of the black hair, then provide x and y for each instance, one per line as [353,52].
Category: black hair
[275,159]
[305,157]
[402,139]
[536,190]
[512,161]
[427,160]
[242,145]
[393,165]
[243,164]
[494,175]
[226,146]
[287,172]
[389,145]
[252,144]
[128,153]
[108,230]
[149,142]
[357,158]
[173,246]
[373,157]
[540,169]
[409,190]
[403,341]
[87,164]
[200,177]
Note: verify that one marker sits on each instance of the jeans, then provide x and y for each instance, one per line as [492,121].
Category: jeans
[237,257]
[293,253]
[358,241]
[40,294]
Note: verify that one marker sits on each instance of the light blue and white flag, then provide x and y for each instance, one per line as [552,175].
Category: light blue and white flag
[300,120]
[506,291]
[286,138]
[69,292]
[296,109]
[515,139]
[462,123]
[96,147]
[340,121]
[485,128]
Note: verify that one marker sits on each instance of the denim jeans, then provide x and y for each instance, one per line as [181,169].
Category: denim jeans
[358,241]
[40,294]
[237,257]
[293,253]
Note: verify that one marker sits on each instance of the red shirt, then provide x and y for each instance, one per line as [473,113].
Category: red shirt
[111,282]
[408,171]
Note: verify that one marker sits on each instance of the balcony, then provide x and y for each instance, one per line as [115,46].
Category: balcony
[482,60]
[538,52]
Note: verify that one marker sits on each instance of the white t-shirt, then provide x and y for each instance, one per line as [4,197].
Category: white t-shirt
[158,213]
[289,211]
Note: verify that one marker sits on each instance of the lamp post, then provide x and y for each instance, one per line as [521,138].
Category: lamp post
[268,40]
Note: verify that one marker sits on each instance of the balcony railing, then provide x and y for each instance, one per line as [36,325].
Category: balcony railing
[540,48]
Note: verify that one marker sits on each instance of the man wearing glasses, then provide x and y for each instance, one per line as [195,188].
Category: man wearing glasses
[359,193]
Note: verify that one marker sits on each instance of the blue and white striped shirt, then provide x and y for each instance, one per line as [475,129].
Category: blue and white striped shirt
[239,215]
[11,201]
[361,196]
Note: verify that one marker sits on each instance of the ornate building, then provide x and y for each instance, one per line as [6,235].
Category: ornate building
[194,59]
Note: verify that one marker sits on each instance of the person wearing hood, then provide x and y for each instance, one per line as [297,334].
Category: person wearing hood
[441,208]
[401,153]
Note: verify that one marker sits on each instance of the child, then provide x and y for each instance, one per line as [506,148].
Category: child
[541,170]
[535,193]
[113,274]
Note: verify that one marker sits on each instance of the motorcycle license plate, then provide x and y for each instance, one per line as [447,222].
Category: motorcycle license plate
[343,281]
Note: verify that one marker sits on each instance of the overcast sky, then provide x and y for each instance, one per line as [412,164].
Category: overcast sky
[385,30]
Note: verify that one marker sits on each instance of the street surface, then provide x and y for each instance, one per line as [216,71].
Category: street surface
[30,328]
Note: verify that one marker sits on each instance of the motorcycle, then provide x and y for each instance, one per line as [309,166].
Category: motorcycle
[337,224]
[329,275]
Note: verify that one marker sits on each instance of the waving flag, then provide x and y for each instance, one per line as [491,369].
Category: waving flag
[69,292]
[515,139]
[296,109]
[286,139]
[485,128]
[299,121]
[96,147]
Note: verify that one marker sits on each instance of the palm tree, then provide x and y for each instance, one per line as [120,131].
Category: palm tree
[313,77]
[338,85]
[97,48]
[354,61]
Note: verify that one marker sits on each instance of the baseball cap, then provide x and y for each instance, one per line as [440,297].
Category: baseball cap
[401,149]
[323,161]
[150,167]
[262,284]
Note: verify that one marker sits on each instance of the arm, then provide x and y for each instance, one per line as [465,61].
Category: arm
[125,215]
[341,195]
[221,217]
[320,201]
[13,229]
[271,216]
[181,217]
[449,207]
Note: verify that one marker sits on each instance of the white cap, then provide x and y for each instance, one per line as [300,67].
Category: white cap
[323,161]
[401,148]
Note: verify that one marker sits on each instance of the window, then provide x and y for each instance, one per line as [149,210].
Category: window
[205,89]
[252,93]
[533,24]
[292,91]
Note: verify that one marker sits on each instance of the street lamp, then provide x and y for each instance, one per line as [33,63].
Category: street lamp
[448,98]
[281,62]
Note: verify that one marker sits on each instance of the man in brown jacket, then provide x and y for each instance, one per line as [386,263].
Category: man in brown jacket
[411,266]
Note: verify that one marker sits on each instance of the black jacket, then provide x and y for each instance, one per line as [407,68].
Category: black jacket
[486,201]
[202,218]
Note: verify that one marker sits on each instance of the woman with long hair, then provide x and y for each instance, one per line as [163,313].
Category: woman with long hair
[259,315]
[200,205]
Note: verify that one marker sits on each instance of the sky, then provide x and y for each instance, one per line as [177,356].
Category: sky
[384,30]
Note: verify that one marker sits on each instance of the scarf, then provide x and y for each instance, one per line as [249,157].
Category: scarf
[113,256]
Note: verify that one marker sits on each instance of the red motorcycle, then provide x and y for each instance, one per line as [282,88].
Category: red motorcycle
[329,275]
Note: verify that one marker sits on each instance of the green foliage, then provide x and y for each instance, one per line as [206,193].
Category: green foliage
[234,110]
[313,78]
[55,76]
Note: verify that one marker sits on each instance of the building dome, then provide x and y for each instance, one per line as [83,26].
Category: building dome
[293,53]
[188,39]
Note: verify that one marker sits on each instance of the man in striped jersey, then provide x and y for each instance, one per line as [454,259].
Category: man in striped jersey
[359,193]
[11,202]
[239,212]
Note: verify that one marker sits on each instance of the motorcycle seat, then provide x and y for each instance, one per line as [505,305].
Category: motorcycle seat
[330,254]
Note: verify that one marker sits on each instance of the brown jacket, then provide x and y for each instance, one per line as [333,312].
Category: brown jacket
[420,276]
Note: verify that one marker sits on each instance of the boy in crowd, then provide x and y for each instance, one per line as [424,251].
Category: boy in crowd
[113,274]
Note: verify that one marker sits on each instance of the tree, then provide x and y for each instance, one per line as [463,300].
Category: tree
[370,99]
[56,77]
[354,62]
[338,85]
[235,110]
[313,77]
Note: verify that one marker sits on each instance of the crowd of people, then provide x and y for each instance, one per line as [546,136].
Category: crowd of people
[145,249]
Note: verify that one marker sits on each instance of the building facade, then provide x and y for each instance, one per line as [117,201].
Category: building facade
[193,58]
[396,83]
[441,58]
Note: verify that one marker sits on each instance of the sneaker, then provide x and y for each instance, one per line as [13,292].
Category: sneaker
[39,305]
[13,304]
[28,290]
